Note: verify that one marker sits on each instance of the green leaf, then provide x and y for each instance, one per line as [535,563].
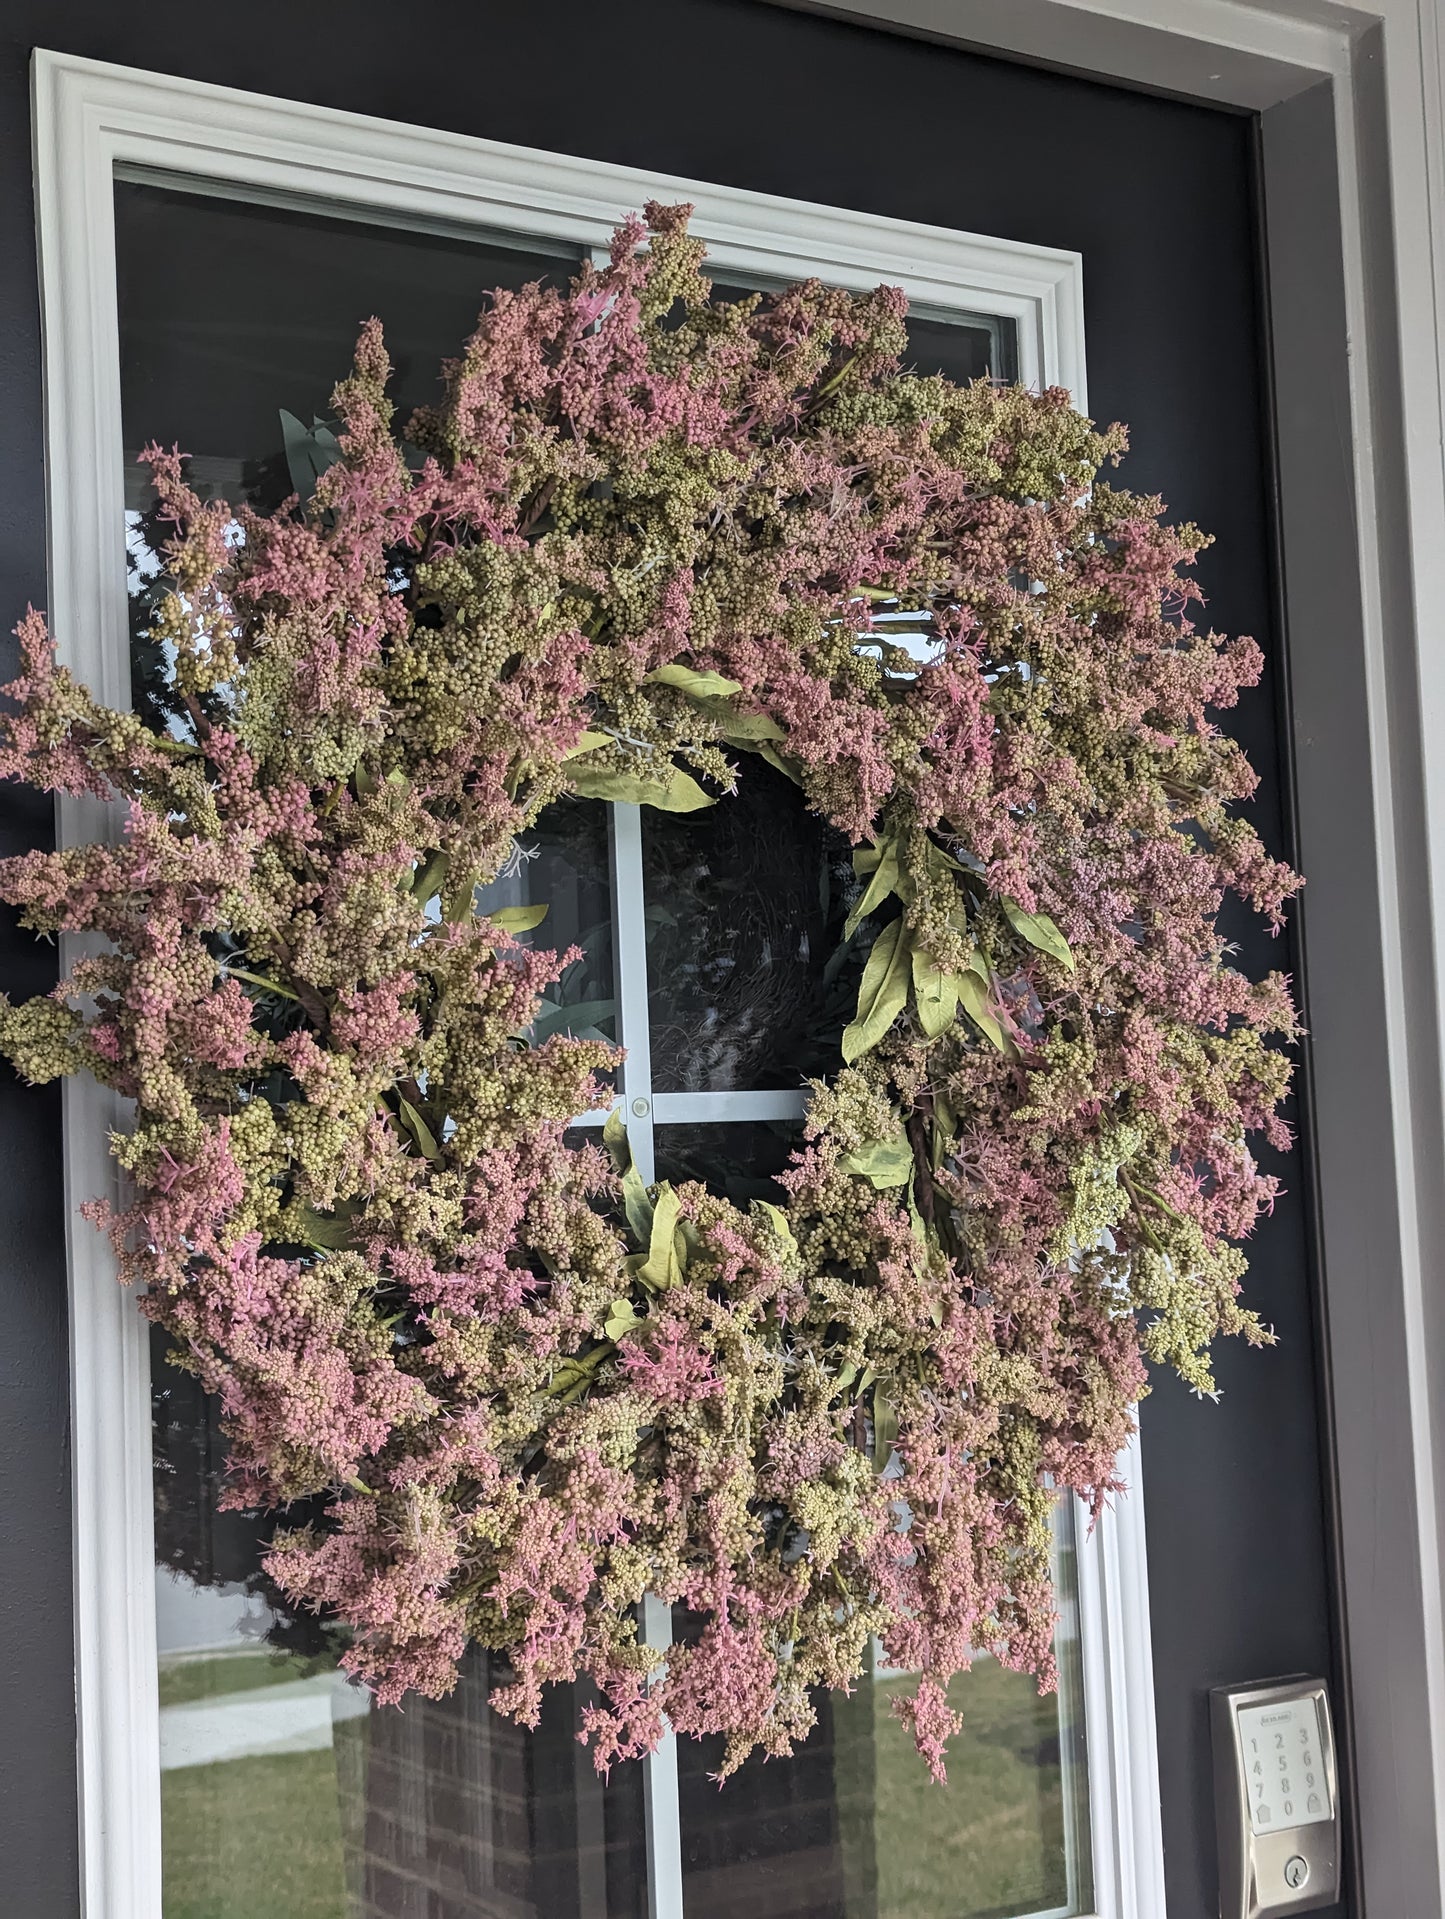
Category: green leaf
[428,880]
[974,998]
[663,1267]
[678,793]
[637,1204]
[615,1140]
[790,769]
[698,684]
[883,882]
[622,1318]
[1040,932]
[845,1377]
[943,1130]
[330,1232]
[883,1162]
[459,897]
[682,794]
[689,1242]
[935,994]
[259,979]
[588,743]
[575,1018]
[519,919]
[309,451]
[885,1428]
[916,1219]
[883,993]
[742,729]
[412,1120]
[572,1378]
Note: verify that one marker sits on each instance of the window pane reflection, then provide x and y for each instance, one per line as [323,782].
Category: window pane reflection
[853,1827]
[965,347]
[230,311]
[736,1158]
[749,986]
[964,351]
[286,1795]
[562,863]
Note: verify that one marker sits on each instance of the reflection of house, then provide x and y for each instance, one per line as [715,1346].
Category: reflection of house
[449,1812]
[298,1715]
[798,1838]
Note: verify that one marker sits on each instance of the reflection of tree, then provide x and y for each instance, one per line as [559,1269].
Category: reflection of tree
[153,691]
[737,1158]
[568,867]
[751,983]
[265,484]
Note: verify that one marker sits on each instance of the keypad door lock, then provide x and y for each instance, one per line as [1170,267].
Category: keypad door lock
[1276,1798]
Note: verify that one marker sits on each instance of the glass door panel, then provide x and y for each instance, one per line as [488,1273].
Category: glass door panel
[561,865]
[853,1827]
[231,312]
[748,982]
[286,1795]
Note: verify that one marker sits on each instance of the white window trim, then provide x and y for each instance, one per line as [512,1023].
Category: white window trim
[91,120]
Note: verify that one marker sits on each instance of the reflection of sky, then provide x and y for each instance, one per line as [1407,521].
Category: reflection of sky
[145,565]
[192,1618]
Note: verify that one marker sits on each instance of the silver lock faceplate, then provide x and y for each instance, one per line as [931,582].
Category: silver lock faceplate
[1276,1798]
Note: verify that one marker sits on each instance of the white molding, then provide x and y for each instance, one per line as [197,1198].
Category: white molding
[304,153]
[1124,1813]
[119,1747]
[92,119]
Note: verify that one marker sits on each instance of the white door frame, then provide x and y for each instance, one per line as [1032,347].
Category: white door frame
[93,120]
[1352,151]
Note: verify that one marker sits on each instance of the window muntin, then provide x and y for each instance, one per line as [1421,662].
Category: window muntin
[444,1801]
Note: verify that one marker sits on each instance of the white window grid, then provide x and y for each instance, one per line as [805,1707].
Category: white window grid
[94,122]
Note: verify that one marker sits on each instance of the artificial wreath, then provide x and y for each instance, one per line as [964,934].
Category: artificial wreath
[644,539]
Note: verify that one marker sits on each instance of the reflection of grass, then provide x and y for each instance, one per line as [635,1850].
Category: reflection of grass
[990,1841]
[189,1679]
[261,1838]
[254,1839]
